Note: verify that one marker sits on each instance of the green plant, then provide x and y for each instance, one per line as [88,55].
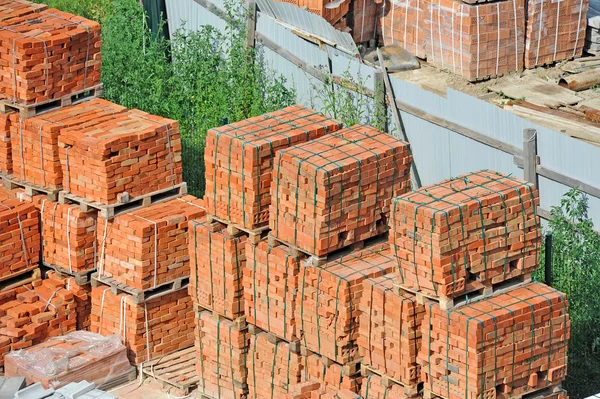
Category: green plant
[92,9]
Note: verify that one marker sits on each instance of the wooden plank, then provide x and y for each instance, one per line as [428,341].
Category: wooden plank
[568,181]
[251,24]
[530,155]
[536,91]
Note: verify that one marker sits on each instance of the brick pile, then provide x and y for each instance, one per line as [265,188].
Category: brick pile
[19,237]
[148,247]
[336,190]
[10,9]
[273,368]
[5,145]
[364,20]
[221,348]
[373,387]
[270,287]
[463,233]
[330,376]
[149,330]
[217,263]
[476,41]
[34,313]
[34,141]
[501,347]
[83,298]
[335,394]
[239,161]
[329,298]
[390,330]
[402,23]
[132,152]
[555,31]
[68,236]
[56,53]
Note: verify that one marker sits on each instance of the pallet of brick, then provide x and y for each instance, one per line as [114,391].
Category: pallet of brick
[217,261]
[222,349]
[466,233]
[239,161]
[147,248]
[77,356]
[503,347]
[476,41]
[10,9]
[81,294]
[375,387]
[29,316]
[48,55]
[555,31]
[364,20]
[330,375]
[129,155]
[270,283]
[390,330]
[149,330]
[402,23]
[19,238]
[336,191]
[34,141]
[5,145]
[327,312]
[273,368]
[335,394]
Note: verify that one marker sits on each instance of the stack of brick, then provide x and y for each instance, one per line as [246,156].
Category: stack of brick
[68,237]
[335,394]
[374,387]
[34,141]
[270,287]
[56,54]
[217,261]
[330,375]
[34,313]
[274,369]
[329,298]
[331,14]
[402,23]
[5,145]
[82,295]
[149,330]
[148,247]
[476,41]
[132,152]
[222,349]
[239,161]
[503,347]
[555,31]
[10,9]
[364,20]
[465,233]
[19,237]
[336,190]
[390,330]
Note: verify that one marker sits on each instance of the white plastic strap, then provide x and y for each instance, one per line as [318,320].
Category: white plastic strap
[42,171]
[155,244]
[478,41]
[101,264]
[498,44]
[537,54]
[21,148]
[24,245]
[191,203]
[147,333]
[431,8]
[406,5]
[462,70]
[417,31]
[453,50]
[382,19]
[556,32]
[69,239]
[393,22]
[123,319]
[67,168]
[362,26]
[578,27]
[516,36]
[102,308]
[42,217]
[439,23]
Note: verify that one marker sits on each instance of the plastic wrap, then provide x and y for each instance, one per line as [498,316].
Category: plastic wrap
[77,356]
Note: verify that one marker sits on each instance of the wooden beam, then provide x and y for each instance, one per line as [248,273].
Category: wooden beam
[251,24]
[212,8]
[530,155]
[568,181]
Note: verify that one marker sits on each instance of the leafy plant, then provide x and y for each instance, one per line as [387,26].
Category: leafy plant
[91,9]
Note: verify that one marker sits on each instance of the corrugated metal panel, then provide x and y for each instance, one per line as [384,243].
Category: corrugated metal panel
[189,15]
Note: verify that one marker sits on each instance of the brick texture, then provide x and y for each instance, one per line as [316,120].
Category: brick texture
[402,22]
[5,145]
[329,375]
[374,388]
[19,237]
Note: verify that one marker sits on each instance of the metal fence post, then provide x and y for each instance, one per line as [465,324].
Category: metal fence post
[548,260]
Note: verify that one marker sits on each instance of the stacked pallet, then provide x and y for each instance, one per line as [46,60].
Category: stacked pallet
[128,155]
[55,54]
[364,20]
[465,233]
[34,141]
[74,357]
[329,375]
[239,161]
[149,330]
[336,190]
[402,23]
[19,237]
[222,348]
[148,247]
[270,284]
[5,145]
[329,299]
[555,31]
[477,41]
[390,330]
[374,387]
[503,347]
[217,261]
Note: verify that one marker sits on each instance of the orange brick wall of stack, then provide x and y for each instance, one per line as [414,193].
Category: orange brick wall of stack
[390,330]
[336,190]
[500,347]
[131,152]
[158,327]
[217,263]
[373,387]
[402,23]
[19,237]
[5,145]
[148,247]
[270,287]
[365,16]
[239,160]
[477,229]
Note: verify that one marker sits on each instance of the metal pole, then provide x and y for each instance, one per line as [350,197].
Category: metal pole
[548,260]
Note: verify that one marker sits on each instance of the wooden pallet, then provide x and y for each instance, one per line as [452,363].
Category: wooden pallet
[11,182]
[295,346]
[20,278]
[81,278]
[235,229]
[350,368]
[110,211]
[387,381]
[140,296]
[239,323]
[122,379]
[473,292]
[175,370]
[31,110]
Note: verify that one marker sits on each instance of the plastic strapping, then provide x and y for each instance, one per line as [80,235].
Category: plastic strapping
[514,3]
[102,309]
[417,30]
[219,356]
[462,69]
[273,370]
[431,7]
[540,28]
[578,28]
[393,22]
[478,42]
[22,166]
[67,170]
[201,347]
[23,242]
[439,25]
[231,362]
[155,244]
[498,43]
[556,31]
[101,264]
[49,303]
[123,319]
[452,24]
[405,21]
[362,25]
[69,239]
[147,332]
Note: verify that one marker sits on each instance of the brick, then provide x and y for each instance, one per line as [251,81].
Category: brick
[329,375]
[373,387]
[364,20]
[5,144]
[402,23]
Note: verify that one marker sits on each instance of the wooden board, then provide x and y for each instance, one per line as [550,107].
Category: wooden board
[81,278]
[177,369]
[25,277]
[140,296]
[536,91]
